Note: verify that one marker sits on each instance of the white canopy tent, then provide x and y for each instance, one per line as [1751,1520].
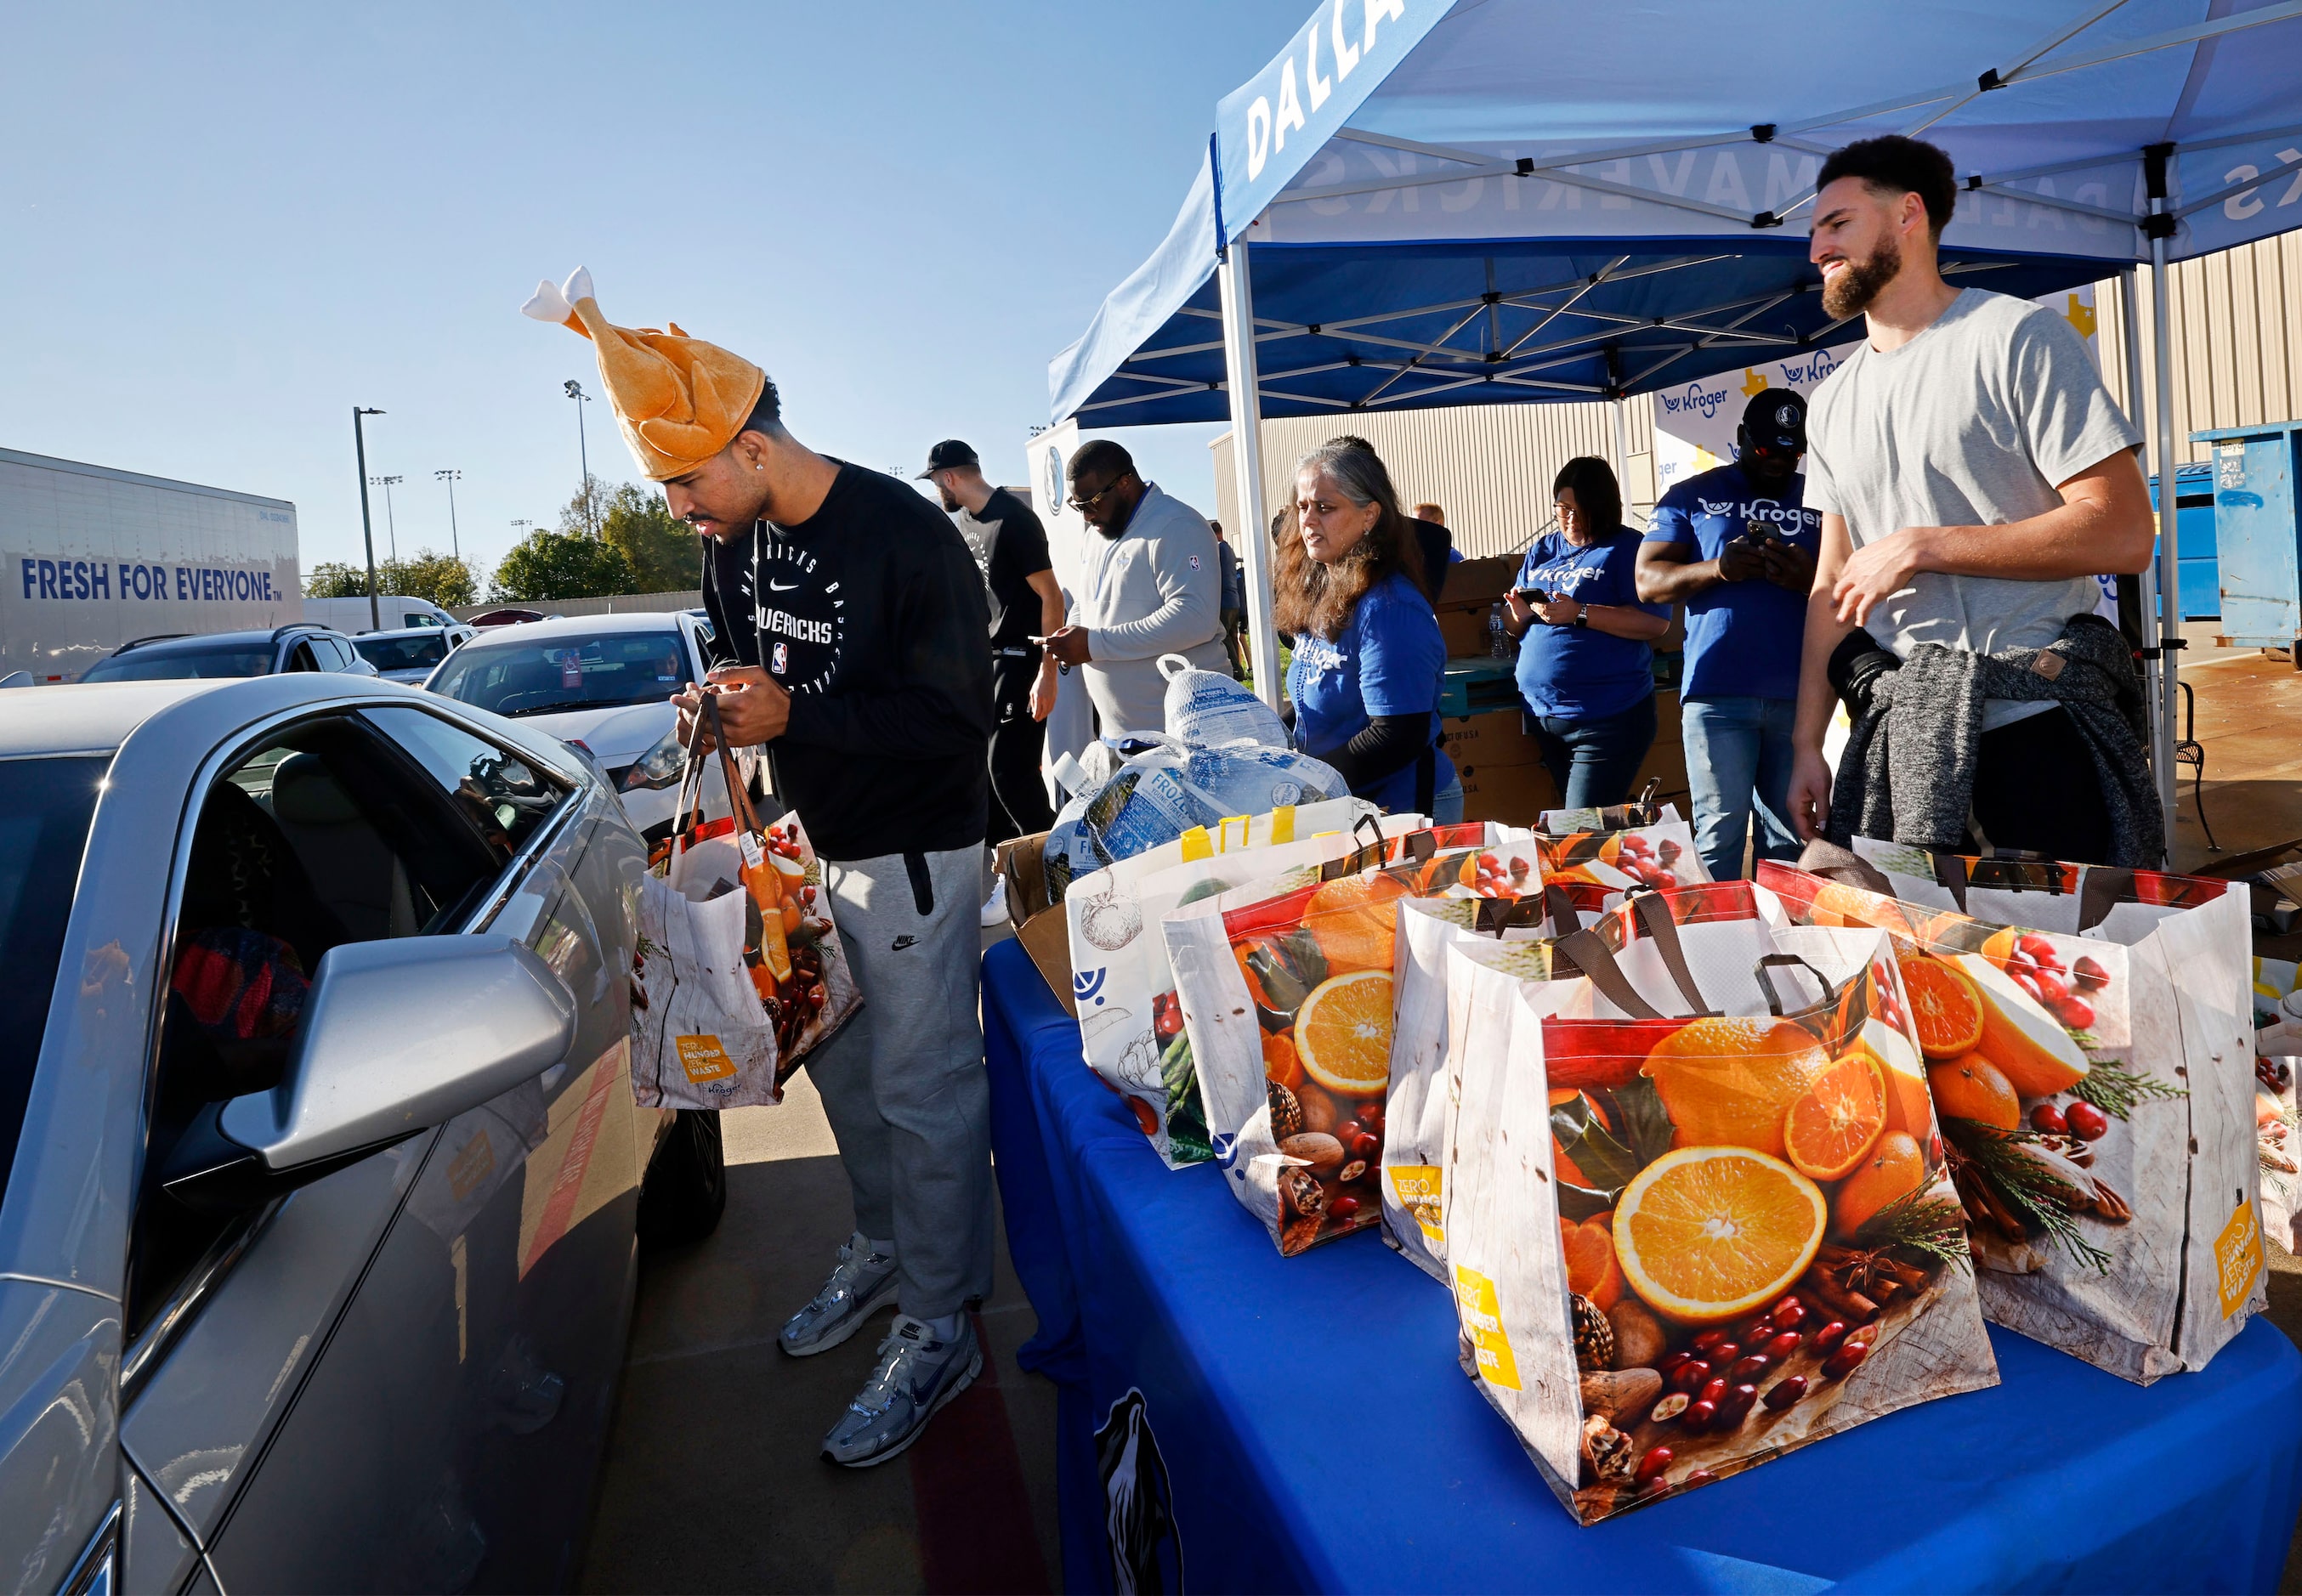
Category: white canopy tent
[1480,201]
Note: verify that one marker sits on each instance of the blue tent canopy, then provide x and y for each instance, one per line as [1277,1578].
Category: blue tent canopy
[1491,323]
[1445,202]
[1399,150]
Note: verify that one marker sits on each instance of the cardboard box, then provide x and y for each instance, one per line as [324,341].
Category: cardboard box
[1478,582]
[1039,927]
[1464,631]
[1510,794]
[1498,737]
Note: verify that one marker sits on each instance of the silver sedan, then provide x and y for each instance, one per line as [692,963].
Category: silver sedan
[322,1170]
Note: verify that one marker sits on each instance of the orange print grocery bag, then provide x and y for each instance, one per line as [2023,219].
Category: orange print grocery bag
[1698,1214]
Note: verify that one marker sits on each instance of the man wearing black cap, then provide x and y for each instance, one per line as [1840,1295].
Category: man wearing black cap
[1736,547]
[1010,547]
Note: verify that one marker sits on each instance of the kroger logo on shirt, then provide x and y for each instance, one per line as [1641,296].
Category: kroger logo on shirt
[1790,517]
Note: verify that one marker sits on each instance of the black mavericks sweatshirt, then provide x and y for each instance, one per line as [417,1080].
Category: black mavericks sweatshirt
[871,613]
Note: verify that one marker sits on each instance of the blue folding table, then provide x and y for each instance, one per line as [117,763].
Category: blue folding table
[1261,1423]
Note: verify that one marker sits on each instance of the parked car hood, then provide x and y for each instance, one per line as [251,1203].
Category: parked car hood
[616,737]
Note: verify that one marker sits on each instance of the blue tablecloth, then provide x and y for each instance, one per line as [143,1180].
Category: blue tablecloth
[1316,1432]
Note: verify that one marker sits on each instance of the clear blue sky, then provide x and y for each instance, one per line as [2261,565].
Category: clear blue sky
[221,227]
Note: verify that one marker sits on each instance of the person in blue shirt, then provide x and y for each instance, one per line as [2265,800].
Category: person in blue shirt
[1349,595]
[1735,546]
[1586,663]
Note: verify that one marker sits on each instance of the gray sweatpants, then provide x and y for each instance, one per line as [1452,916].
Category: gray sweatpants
[904,1084]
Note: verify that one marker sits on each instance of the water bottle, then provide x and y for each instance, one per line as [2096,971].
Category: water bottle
[1498,641]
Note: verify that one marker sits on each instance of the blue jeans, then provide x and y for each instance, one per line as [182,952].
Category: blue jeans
[1738,758]
[1447,803]
[1595,762]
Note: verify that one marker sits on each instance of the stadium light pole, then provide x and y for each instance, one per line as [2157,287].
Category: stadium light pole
[583,452]
[390,521]
[454,542]
[367,523]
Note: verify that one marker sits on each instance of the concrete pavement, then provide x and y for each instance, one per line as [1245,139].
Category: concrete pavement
[712,1481]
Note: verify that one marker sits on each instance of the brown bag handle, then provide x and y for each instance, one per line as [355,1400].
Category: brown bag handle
[1559,903]
[739,798]
[1495,915]
[1652,911]
[1764,970]
[1586,954]
[2102,887]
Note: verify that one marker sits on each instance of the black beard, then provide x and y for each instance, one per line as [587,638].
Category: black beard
[1851,292]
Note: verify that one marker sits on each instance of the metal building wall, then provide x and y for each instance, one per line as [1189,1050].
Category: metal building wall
[1488,466]
[2237,340]
[2238,362]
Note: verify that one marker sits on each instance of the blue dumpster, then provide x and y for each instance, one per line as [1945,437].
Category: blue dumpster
[2199,577]
[2257,536]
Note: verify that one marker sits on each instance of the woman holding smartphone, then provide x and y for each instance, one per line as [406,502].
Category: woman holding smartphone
[1368,657]
[1586,666]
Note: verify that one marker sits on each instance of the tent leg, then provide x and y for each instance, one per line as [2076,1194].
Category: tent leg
[1623,455]
[2170,618]
[1252,540]
[2130,307]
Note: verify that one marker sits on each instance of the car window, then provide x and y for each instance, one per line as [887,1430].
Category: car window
[542,677]
[45,808]
[168,664]
[301,656]
[503,796]
[403,653]
[328,834]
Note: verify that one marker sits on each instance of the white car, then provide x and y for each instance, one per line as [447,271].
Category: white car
[603,683]
[410,653]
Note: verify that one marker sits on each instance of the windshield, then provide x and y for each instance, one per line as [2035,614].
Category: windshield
[551,674]
[164,662]
[403,653]
[45,807]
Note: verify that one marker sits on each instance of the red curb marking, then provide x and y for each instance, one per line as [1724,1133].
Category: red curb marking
[976,1534]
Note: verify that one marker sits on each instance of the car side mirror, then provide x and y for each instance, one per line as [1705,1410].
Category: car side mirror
[397,1036]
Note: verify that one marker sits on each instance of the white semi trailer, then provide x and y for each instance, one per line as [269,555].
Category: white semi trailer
[91,558]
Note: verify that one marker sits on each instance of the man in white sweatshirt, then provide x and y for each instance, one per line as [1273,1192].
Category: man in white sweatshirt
[1151,586]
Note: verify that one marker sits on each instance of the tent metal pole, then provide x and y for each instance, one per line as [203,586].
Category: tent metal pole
[1622,452]
[2130,311]
[2169,621]
[1253,540]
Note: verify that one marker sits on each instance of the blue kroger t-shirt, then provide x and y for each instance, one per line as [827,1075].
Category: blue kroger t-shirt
[1742,638]
[1580,673]
[1388,662]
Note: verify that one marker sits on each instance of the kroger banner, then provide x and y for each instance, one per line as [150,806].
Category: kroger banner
[1695,423]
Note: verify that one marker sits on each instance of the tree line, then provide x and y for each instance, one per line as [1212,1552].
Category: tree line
[640,549]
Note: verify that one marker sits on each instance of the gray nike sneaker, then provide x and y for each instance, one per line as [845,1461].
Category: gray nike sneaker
[861,1283]
[917,1375]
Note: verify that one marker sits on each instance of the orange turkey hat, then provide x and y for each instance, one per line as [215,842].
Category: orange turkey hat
[678,399]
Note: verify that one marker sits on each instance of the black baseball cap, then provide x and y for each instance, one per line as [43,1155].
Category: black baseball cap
[1775,419]
[946,455]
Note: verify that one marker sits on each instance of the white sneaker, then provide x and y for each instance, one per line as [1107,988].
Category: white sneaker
[994,907]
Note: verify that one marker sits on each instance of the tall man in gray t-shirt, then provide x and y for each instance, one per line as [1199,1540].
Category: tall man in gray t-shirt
[1973,475]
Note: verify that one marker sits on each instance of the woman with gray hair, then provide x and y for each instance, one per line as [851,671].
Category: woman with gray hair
[1368,656]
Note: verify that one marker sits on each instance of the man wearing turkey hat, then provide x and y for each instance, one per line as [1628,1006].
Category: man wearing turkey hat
[850,620]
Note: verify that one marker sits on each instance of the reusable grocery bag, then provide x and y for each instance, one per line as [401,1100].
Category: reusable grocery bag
[1131,1023]
[1694,1218]
[1642,843]
[2089,1039]
[1417,1104]
[737,972]
[1287,994]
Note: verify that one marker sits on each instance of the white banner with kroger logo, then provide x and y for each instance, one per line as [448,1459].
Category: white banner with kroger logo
[1695,423]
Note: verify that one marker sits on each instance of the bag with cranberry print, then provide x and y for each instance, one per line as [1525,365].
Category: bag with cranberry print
[1622,846]
[1288,997]
[737,971]
[1695,1217]
[2088,1037]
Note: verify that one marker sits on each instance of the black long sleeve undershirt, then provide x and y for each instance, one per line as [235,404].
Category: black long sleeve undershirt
[1389,743]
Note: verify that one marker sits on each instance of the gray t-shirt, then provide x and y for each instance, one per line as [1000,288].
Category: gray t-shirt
[1972,423]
